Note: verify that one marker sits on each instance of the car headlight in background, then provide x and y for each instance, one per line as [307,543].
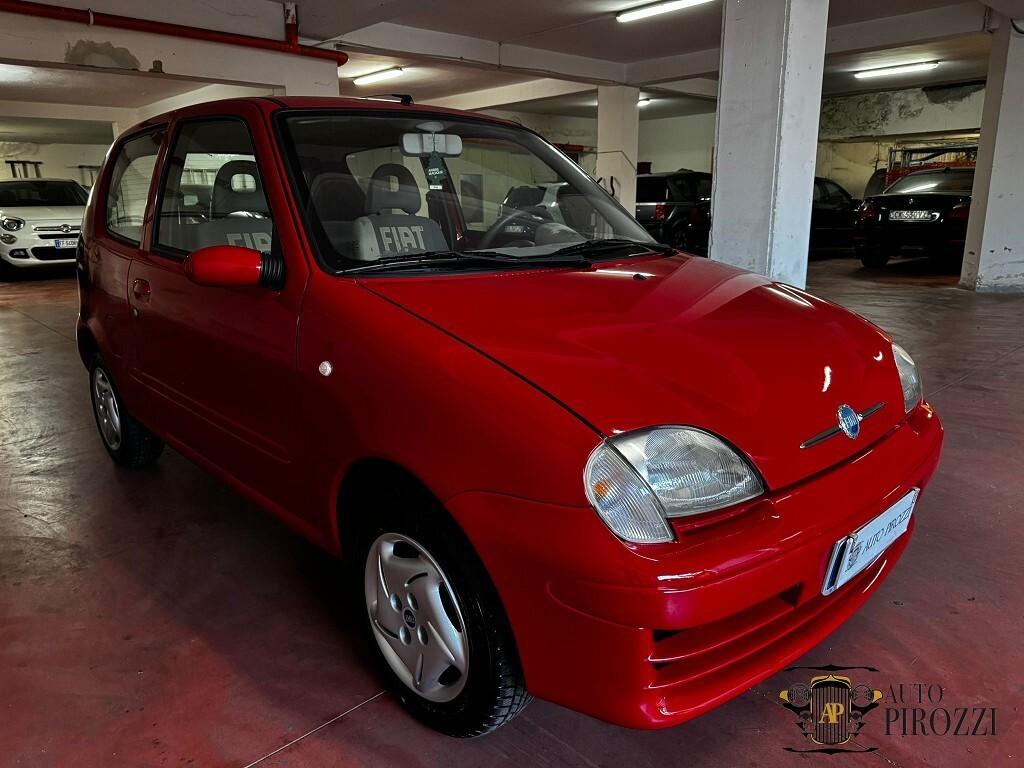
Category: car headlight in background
[638,480]
[12,223]
[910,379]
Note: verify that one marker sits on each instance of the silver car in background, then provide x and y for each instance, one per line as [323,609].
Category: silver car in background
[40,221]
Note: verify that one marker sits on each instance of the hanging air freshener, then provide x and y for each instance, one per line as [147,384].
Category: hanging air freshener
[436,173]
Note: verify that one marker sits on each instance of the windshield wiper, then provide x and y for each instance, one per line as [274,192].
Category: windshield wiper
[436,258]
[598,247]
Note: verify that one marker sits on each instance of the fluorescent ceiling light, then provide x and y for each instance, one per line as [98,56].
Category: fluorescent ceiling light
[376,77]
[643,102]
[654,9]
[902,69]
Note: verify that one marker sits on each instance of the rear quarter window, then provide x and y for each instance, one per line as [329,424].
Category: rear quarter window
[130,180]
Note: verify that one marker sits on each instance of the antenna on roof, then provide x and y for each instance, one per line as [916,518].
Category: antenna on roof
[405,98]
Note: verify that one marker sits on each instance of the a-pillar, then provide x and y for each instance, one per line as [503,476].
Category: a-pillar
[994,252]
[618,139]
[766,137]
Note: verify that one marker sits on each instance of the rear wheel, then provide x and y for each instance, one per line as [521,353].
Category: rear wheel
[442,634]
[129,443]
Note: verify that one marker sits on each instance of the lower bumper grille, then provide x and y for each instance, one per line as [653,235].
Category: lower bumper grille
[49,253]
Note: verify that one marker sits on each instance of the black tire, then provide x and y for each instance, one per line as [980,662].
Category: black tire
[136,447]
[7,272]
[873,259]
[494,690]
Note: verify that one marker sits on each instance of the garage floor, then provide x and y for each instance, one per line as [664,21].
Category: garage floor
[155,619]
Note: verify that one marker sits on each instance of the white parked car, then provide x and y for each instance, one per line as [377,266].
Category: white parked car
[40,221]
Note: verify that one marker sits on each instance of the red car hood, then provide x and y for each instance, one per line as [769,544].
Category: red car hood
[678,340]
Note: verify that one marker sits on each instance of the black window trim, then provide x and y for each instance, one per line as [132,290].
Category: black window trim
[121,142]
[179,254]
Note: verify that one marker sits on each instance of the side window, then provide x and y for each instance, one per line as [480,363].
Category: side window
[836,194]
[703,188]
[129,186]
[212,193]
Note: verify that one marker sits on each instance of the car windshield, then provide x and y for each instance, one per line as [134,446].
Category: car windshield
[948,180]
[382,189]
[32,192]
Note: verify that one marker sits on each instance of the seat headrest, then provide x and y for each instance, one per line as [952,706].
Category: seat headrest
[247,196]
[392,186]
[337,197]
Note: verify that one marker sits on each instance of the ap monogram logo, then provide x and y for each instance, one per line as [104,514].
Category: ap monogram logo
[831,709]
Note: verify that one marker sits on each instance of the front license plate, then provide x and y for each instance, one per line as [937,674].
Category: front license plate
[73,243]
[911,215]
[853,553]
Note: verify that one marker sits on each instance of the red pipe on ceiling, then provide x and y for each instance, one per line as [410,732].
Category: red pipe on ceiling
[95,18]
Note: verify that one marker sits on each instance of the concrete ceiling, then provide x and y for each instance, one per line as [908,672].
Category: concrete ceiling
[46,130]
[581,27]
[424,81]
[100,88]
[963,59]
[585,105]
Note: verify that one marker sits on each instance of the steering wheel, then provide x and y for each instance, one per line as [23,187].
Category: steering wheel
[496,228]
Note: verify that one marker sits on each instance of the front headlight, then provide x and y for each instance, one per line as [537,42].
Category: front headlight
[910,379]
[12,223]
[637,480]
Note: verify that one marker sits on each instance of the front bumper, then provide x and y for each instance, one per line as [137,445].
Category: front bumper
[33,248]
[651,636]
[940,238]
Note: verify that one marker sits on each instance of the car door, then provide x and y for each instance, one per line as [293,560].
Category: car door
[831,215]
[219,362]
[116,232]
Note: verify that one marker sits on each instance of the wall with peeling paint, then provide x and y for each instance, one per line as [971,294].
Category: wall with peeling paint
[895,113]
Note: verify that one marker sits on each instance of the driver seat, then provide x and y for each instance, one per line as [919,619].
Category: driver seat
[381,232]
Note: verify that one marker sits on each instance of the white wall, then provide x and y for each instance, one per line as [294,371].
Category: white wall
[678,142]
[668,143]
[59,160]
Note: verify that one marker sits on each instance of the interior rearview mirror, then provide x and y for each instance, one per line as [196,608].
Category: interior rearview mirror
[234,266]
[426,144]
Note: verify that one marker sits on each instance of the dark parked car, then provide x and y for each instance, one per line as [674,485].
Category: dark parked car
[923,214]
[674,207]
[832,217]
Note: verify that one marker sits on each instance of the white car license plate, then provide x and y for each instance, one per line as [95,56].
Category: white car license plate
[62,243]
[853,553]
[911,215]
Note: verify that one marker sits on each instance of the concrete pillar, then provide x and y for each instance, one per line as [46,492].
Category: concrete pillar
[766,136]
[618,139]
[994,251]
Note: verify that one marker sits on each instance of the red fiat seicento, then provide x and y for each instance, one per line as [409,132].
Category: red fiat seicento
[566,461]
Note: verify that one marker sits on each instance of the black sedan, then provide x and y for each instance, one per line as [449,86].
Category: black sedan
[923,214]
[676,209]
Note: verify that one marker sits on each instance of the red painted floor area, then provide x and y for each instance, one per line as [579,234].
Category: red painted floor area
[155,619]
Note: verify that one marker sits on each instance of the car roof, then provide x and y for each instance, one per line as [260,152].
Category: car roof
[666,174]
[271,104]
[947,169]
[46,178]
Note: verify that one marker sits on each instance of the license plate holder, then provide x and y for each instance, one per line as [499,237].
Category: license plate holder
[856,551]
[911,215]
